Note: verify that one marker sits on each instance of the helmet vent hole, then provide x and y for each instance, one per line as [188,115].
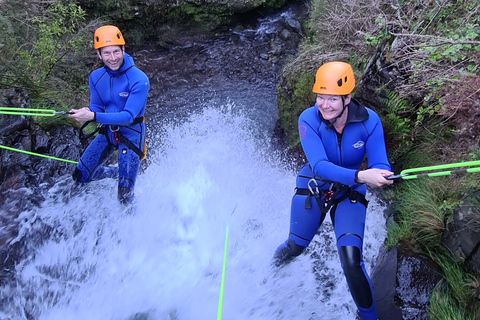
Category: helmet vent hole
[339,82]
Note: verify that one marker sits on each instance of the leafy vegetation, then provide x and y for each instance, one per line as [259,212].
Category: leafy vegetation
[43,51]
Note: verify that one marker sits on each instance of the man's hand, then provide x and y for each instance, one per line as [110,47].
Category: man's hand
[81,115]
[374,178]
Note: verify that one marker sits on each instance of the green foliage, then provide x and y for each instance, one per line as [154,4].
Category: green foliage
[201,18]
[275,4]
[399,128]
[36,47]
[457,291]
[380,35]
[45,53]
[471,181]
[54,39]
[420,215]
[443,306]
[455,47]
[44,102]
[291,103]
[397,118]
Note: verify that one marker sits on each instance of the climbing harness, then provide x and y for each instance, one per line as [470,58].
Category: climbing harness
[327,200]
[84,136]
[117,136]
[114,130]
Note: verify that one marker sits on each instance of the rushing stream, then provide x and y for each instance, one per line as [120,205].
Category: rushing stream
[211,166]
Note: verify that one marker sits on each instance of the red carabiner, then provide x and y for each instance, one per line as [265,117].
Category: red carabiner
[327,196]
[115,137]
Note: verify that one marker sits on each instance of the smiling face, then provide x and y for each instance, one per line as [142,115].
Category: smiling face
[331,106]
[112,56]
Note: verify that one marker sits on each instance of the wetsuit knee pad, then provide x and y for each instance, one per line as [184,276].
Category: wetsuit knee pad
[356,277]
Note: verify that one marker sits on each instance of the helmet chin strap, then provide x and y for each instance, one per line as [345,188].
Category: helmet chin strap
[332,122]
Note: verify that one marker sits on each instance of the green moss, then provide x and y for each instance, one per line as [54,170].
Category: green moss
[202,18]
[294,96]
[275,4]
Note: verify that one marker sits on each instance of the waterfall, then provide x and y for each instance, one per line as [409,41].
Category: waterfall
[163,259]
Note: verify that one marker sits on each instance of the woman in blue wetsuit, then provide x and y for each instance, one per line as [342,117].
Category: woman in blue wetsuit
[335,135]
[118,95]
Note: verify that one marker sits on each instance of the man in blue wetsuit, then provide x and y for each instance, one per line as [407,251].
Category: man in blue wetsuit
[335,135]
[118,95]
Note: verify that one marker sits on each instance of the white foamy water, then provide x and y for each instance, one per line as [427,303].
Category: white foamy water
[165,260]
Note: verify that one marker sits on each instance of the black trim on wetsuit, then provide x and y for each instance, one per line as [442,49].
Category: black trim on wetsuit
[356,279]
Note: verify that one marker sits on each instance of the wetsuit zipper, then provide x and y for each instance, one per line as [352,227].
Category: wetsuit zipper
[339,140]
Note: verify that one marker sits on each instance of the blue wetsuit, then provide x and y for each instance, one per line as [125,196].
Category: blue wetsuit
[335,158]
[118,99]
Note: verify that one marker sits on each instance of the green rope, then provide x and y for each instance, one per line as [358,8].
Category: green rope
[30,112]
[222,285]
[443,166]
[421,170]
[441,173]
[37,154]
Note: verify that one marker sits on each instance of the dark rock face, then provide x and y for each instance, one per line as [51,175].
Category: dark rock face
[23,176]
[403,282]
[384,280]
[462,236]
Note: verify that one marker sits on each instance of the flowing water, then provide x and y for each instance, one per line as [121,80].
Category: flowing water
[211,167]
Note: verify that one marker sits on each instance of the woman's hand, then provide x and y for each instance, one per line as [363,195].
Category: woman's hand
[82,115]
[374,178]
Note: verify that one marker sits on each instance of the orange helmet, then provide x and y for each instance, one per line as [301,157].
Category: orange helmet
[107,36]
[334,78]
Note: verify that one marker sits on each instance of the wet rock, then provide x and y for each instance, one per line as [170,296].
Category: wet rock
[462,236]
[383,281]
[294,25]
[21,172]
[238,29]
[19,99]
[39,139]
[285,34]
[13,98]
[10,124]
[403,282]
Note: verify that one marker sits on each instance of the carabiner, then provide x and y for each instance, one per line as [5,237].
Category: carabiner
[117,128]
[316,191]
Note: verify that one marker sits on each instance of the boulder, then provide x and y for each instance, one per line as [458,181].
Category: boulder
[403,282]
[462,235]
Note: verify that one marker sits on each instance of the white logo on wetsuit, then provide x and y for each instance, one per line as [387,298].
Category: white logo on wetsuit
[123,94]
[358,144]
